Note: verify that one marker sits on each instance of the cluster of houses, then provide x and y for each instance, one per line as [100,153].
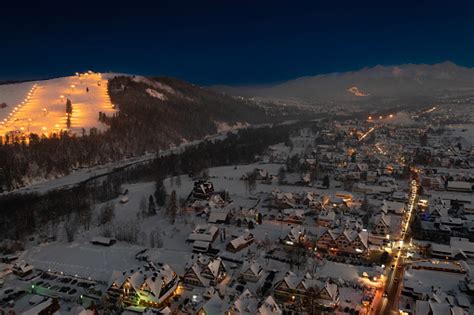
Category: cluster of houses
[346,195]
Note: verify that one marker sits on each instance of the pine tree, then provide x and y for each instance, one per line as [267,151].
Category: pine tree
[172,208]
[68,107]
[178,181]
[326,181]
[142,207]
[160,193]
[151,206]
[281,176]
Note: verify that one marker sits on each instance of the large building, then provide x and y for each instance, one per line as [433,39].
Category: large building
[146,286]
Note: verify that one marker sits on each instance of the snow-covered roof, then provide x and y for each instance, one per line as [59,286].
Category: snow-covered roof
[213,305]
[269,307]
[247,303]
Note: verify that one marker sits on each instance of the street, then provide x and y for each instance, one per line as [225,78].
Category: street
[394,273]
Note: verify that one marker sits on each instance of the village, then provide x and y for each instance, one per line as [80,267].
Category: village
[370,215]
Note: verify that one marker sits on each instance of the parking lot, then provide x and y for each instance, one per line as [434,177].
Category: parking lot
[65,287]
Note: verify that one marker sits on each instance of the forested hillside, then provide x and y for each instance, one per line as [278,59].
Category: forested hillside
[153,115]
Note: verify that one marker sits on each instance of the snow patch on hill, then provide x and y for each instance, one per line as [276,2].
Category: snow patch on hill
[224,127]
[355,90]
[156,94]
[155,84]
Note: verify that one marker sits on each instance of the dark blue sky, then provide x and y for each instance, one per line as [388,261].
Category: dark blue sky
[230,42]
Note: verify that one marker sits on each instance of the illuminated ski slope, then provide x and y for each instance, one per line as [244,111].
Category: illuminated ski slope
[40,107]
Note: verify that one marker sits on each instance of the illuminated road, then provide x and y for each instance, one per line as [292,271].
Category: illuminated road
[395,274]
[367,133]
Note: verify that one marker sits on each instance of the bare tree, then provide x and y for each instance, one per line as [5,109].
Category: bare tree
[107,213]
[70,227]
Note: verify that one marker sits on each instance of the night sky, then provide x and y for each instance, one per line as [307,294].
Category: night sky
[229,42]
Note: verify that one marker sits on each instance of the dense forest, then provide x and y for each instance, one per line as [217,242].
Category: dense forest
[152,115]
[23,214]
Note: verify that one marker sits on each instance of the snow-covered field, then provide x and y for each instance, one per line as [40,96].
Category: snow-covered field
[83,259]
[40,107]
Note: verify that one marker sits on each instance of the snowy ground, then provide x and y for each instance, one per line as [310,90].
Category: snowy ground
[83,259]
[42,185]
[40,107]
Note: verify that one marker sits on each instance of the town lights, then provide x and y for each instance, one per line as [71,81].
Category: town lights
[380,117]
[391,116]
[370,117]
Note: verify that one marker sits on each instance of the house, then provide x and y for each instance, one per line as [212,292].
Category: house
[283,200]
[22,268]
[269,307]
[294,216]
[204,271]
[204,234]
[437,211]
[246,304]
[293,288]
[381,224]
[147,286]
[104,241]
[464,245]
[212,306]
[345,241]
[296,235]
[218,216]
[459,186]
[326,218]
[371,176]
[201,247]
[399,196]
[395,207]
[446,252]
[202,190]
[432,182]
[48,306]
[241,242]
[432,307]
[251,271]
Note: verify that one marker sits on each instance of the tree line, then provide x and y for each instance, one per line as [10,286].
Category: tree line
[23,214]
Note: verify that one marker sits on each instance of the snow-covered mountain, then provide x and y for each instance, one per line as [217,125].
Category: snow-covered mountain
[380,82]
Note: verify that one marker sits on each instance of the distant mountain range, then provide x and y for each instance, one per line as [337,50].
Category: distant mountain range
[389,83]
